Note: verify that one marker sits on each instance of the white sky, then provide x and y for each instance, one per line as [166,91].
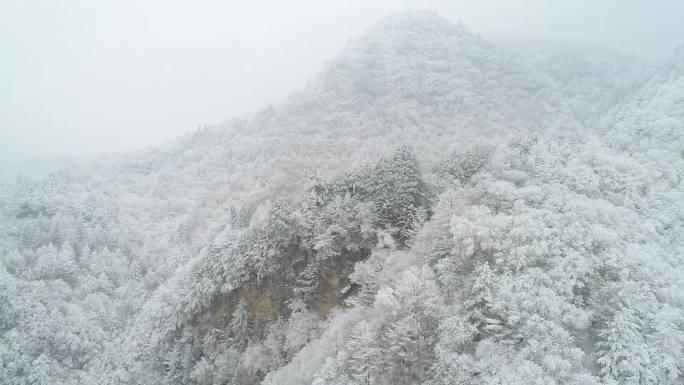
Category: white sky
[80,77]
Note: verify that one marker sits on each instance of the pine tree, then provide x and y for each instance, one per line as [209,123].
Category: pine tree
[308,283]
[623,356]
[408,354]
[364,354]
[66,263]
[241,323]
[479,306]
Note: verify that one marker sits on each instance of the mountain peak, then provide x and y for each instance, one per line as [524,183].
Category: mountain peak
[423,62]
[402,51]
[417,26]
[418,21]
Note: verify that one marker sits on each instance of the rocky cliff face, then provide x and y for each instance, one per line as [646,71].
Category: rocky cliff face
[268,299]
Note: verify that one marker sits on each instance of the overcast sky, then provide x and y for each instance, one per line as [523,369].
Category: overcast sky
[81,77]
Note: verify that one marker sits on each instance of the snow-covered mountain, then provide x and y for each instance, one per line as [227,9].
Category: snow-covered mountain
[429,209]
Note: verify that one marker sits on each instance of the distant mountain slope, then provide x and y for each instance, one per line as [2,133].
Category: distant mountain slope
[651,120]
[428,209]
[593,79]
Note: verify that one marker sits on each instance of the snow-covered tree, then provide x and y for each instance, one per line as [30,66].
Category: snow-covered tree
[241,322]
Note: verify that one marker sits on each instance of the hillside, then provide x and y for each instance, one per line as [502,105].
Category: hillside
[428,209]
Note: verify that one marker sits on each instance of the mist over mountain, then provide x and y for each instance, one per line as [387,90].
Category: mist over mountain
[431,208]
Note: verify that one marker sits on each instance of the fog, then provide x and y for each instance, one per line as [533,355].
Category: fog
[79,77]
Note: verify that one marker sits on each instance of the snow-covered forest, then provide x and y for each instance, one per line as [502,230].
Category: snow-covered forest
[432,208]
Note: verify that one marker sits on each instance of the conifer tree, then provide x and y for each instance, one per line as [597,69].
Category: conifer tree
[479,306]
[622,353]
[241,323]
